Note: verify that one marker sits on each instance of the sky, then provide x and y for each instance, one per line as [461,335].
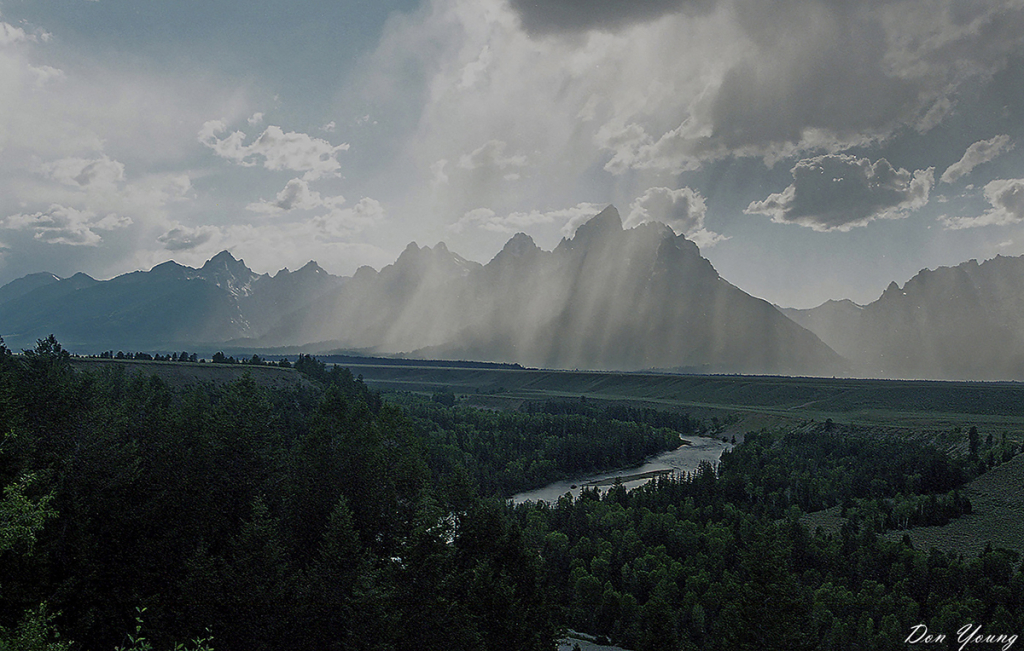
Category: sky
[813,149]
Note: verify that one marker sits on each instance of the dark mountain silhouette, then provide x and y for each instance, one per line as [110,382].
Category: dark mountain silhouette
[26,284]
[949,323]
[606,298]
[169,306]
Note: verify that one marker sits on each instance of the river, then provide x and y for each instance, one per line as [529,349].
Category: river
[685,458]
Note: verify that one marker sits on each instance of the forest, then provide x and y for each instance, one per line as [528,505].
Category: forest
[140,516]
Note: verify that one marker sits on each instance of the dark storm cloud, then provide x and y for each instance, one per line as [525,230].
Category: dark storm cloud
[819,67]
[567,16]
[838,192]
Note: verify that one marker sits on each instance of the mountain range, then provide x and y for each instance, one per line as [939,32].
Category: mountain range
[606,298]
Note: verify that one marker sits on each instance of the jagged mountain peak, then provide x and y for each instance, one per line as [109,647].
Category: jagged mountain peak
[518,246]
[311,268]
[307,271]
[418,259]
[605,222]
[892,290]
[224,259]
[228,273]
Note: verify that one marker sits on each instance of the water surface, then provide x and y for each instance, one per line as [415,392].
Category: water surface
[685,458]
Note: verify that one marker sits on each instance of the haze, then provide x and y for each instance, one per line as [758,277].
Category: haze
[811,149]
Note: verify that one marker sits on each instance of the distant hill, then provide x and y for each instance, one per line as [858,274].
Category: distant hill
[26,284]
[168,307]
[949,323]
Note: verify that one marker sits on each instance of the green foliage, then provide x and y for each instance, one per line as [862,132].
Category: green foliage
[35,632]
[321,517]
[507,452]
[293,518]
[720,559]
[21,517]
[139,642]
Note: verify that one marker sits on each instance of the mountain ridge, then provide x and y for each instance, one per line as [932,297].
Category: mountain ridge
[605,298]
[964,321]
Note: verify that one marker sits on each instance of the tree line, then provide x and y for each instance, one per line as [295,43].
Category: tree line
[241,518]
[324,516]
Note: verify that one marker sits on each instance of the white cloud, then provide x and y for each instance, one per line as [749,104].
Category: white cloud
[182,238]
[839,192]
[100,172]
[296,195]
[491,154]
[980,152]
[154,192]
[681,210]
[280,150]
[46,74]
[9,34]
[329,127]
[1007,199]
[486,219]
[344,222]
[66,225]
[99,185]
[439,176]
[256,118]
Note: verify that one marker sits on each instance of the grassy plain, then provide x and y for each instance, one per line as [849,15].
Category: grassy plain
[179,374]
[921,405]
[997,498]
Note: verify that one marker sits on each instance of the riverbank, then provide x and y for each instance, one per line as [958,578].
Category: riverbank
[693,451]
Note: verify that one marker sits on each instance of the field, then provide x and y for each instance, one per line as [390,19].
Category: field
[755,400]
[178,374]
[998,517]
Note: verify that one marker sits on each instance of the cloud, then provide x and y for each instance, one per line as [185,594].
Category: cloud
[678,150]
[66,225]
[649,99]
[681,210]
[558,16]
[183,238]
[1007,199]
[292,151]
[980,152]
[491,154]
[46,74]
[100,172]
[256,118]
[488,220]
[796,76]
[9,34]
[438,176]
[839,192]
[296,195]
[344,222]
